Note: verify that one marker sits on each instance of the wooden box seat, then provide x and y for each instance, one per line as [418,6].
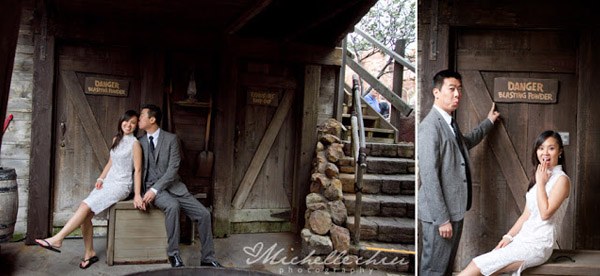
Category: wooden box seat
[569,262]
[135,236]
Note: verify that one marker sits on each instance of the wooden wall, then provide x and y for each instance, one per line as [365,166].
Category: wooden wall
[17,75]
[440,24]
[9,29]
[586,230]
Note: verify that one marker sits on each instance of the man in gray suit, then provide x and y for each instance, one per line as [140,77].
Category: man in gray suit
[164,188]
[444,174]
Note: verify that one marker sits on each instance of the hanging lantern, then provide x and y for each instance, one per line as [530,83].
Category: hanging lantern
[191,90]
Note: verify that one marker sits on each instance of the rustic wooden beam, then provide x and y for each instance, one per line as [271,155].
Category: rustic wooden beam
[396,101]
[263,150]
[40,172]
[241,21]
[502,146]
[488,60]
[9,32]
[321,20]
[288,52]
[308,143]
[224,137]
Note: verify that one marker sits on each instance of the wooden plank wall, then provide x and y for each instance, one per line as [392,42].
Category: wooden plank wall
[9,31]
[38,213]
[586,232]
[16,140]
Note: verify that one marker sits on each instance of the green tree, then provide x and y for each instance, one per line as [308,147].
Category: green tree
[388,21]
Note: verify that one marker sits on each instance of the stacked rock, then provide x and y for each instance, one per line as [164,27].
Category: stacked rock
[324,237]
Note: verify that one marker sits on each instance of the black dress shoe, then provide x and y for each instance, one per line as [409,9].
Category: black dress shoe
[213,264]
[175,261]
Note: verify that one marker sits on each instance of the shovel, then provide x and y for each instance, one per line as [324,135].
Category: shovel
[206,158]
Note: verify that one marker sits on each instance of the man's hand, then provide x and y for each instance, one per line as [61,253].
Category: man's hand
[138,203]
[149,197]
[446,230]
[493,115]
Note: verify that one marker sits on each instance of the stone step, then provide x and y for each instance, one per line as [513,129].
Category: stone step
[374,134]
[402,149]
[386,256]
[390,184]
[382,205]
[369,121]
[384,229]
[380,165]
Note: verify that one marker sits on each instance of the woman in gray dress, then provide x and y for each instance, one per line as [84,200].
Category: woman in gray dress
[113,185]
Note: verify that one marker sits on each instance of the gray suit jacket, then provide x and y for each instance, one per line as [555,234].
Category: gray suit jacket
[442,176]
[167,159]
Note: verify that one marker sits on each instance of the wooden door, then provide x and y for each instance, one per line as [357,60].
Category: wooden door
[264,150]
[502,162]
[85,123]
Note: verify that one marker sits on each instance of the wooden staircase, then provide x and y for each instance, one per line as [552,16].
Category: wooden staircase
[388,194]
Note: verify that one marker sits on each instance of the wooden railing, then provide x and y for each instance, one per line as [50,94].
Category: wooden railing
[357,124]
[397,102]
[359,155]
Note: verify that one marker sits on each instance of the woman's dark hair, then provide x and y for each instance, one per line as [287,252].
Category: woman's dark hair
[538,142]
[125,117]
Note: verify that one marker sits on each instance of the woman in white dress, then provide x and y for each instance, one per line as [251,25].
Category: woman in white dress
[530,241]
[113,185]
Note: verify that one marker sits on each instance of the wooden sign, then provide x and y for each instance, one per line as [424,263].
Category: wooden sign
[107,87]
[525,90]
[263,97]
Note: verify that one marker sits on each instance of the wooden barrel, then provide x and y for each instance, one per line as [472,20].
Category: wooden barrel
[9,203]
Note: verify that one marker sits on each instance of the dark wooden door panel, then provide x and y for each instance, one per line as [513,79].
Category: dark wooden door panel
[502,162]
[85,123]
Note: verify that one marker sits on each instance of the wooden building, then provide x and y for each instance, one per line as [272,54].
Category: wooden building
[266,72]
[487,40]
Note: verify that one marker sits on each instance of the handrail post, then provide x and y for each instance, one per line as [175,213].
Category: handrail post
[359,156]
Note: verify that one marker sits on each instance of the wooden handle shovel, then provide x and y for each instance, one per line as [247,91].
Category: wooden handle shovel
[206,158]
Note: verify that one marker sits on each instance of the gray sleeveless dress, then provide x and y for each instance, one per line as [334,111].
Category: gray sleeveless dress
[118,182]
[534,243]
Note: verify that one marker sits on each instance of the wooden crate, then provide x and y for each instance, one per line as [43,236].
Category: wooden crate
[569,262]
[135,236]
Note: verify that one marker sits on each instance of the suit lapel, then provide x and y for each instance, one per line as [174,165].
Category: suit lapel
[159,145]
[447,129]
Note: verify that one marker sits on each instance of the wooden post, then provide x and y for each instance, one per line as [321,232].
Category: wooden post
[338,107]
[397,83]
[223,143]
[9,31]
[308,142]
[38,212]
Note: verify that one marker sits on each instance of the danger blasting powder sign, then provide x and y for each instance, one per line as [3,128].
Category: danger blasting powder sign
[525,90]
[107,87]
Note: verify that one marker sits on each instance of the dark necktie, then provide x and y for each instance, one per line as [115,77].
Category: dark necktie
[151,143]
[464,153]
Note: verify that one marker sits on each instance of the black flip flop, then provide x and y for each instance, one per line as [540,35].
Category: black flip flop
[48,246]
[89,261]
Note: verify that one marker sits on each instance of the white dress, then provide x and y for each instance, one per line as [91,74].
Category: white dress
[118,182]
[534,242]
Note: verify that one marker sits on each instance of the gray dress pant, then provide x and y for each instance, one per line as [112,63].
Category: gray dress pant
[171,204]
[437,253]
